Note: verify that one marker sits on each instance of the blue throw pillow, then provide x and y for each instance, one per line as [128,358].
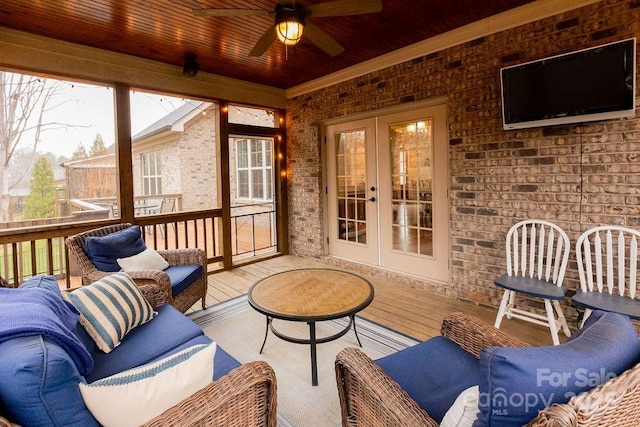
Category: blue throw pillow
[515,383]
[104,251]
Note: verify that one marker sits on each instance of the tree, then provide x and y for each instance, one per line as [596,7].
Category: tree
[79,153]
[24,101]
[98,148]
[41,201]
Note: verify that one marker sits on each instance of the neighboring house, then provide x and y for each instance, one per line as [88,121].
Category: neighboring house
[177,155]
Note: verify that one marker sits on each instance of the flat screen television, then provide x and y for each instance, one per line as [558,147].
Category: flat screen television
[586,85]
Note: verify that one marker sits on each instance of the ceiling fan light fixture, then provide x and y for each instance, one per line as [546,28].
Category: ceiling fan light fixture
[289,31]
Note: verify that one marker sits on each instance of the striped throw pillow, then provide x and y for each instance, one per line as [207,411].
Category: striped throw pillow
[110,308]
[133,397]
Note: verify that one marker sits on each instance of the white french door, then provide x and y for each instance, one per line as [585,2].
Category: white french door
[352,191]
[387,192]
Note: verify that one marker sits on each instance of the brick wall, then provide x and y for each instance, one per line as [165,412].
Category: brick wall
[496,177]
[188,164]
[198,167]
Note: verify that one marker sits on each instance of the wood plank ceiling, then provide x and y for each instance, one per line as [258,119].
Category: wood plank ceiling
[167,31]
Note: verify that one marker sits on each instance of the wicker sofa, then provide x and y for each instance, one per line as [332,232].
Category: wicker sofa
[239,395]
[370,397]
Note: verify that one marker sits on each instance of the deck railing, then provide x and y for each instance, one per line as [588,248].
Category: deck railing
[29,251]
[253,229]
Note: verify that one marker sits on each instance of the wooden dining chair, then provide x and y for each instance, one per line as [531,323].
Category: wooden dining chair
[608,268]
[537,253]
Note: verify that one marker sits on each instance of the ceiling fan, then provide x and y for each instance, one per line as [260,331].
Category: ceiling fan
[290,21]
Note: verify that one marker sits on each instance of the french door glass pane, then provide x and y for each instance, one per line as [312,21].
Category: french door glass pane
[411,179]
[351,185]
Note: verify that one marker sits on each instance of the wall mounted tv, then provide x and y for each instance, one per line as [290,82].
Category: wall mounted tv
[586,85]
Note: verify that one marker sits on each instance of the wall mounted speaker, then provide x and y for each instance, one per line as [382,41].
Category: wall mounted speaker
[191,66]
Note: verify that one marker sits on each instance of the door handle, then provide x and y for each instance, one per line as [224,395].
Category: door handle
[372,199]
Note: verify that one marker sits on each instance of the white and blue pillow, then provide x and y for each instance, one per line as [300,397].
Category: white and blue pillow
[133,397]
[111,307]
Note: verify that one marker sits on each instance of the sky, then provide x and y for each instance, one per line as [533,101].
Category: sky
[81,111]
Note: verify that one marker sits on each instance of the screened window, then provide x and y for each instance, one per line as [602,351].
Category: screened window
[151,174]
[254,171]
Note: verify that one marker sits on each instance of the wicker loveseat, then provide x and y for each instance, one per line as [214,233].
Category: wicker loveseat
[369,397]
[47,393]
[177,258]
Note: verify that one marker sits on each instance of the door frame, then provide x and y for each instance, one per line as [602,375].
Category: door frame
[400,108]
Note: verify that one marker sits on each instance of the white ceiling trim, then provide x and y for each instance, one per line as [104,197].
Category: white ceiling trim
[531,12]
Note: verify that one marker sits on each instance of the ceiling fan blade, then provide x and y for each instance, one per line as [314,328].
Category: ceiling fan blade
[229,12]
[345,7]
[265,41]
[323,40]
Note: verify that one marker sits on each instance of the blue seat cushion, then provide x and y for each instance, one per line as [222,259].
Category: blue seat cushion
[516,383]
[531,286]
[104,251]
[607,302]
[182,276]
[39,384]
[433,373]
[223,361]
[168,330]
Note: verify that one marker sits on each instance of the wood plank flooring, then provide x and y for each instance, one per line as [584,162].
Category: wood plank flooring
[414,312]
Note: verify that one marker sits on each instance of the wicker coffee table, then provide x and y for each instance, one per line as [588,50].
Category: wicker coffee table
[311,295]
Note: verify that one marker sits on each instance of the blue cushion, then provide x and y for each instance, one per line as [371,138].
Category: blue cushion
[516,383]
[223,361]
[531,286]
[182,276]
[159,336]
[433,373]
[50,283]
[39,384]
[104,251]
[44,282]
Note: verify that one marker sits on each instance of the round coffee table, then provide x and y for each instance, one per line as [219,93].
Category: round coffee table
[311,295]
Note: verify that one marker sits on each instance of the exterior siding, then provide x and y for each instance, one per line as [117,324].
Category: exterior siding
[576,175]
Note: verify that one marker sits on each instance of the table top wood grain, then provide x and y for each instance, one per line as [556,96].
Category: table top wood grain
[311,294]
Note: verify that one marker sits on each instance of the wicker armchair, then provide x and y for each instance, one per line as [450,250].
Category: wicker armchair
[369,397]
[246,396]
[183,301]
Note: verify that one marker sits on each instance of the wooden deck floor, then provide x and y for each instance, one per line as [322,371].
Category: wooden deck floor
[411,311]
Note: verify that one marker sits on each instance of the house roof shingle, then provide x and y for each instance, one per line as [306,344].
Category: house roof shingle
[166,122]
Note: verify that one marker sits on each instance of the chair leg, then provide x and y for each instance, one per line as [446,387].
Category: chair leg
[506,298]
[511,305]
[551,319]
[587,313]
[561,318]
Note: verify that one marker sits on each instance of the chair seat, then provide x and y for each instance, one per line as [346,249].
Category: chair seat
[532,287]
[433,373]
[607,302]
[182,276]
